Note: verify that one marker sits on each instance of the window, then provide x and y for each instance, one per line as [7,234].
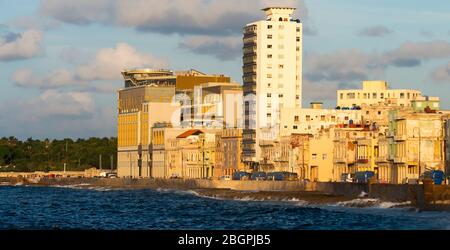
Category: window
[296,118]
[324,156]
[281,46]
[379,112]
[402,95]
[281,66]
[281,27]
[269,46]
[295,127]
[269,27]
[322,118]
[308,118]
[281,56]
[269,36]
[269,95]
[342,96]
[298,39]
[269,56]
[280,95]
[314,156]
[298,29]
[374,95]
[297,97]
[269,115]
[269,75]
[298,48]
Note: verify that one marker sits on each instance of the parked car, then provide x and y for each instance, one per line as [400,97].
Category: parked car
[226,178]
[241,175]
[258,176]
[346,177]
[437,176]
[282,176]
[174,176]
[363,176]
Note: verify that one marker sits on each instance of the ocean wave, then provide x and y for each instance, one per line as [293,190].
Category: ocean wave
[175,191]
[84,186]
[370,203]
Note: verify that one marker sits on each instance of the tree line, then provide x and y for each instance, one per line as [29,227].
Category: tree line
[50,155]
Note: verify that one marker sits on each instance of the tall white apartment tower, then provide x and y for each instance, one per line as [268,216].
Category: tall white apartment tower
[272,73]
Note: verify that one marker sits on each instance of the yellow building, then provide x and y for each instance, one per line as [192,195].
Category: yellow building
[213,105]
[197,150]
[147,99]
[418,144]
[228,148]
[374,92]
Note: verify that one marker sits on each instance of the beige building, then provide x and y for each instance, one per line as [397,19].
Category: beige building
[272,67]
[374,92]
[311,157]
[418,144]
[213,105]
[197,149]
[315,119]
[227,155]
[355,150]
[147,99]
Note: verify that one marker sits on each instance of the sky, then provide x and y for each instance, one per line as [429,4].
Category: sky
[60,60]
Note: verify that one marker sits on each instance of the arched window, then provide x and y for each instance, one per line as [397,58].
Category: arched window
[281,19]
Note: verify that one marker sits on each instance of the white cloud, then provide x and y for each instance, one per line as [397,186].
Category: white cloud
[105,66]
[80,12]
[60,78]
[109,62]
[442,74]
[56,103]
[198,17]
[412,54]
[375,31]
[22,46]
[223,48]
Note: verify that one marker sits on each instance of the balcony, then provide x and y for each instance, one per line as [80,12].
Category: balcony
[400,137]
[381,159]
[398,159]
[340,160]
[363,161]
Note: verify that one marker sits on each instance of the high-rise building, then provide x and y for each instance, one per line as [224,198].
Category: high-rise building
[148,99]
[272,74]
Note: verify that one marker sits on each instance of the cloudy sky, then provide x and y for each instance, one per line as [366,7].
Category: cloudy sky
[60,60]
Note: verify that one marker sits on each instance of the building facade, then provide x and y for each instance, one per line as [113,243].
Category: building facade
[272,74]
[374,92]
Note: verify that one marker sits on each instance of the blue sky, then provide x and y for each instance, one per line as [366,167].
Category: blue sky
[50,48]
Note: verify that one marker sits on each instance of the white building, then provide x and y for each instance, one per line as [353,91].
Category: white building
[272,74]
[374,92]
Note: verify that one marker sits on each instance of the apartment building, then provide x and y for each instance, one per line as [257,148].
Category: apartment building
[374,92]
[146,99]
[272,74]
[213,105]
[418,144]
[227,155]
[313,120]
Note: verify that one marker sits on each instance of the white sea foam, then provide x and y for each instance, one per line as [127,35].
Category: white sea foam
[370,203]
[19,184]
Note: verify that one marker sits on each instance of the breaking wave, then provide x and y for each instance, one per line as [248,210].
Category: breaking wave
[371,203]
